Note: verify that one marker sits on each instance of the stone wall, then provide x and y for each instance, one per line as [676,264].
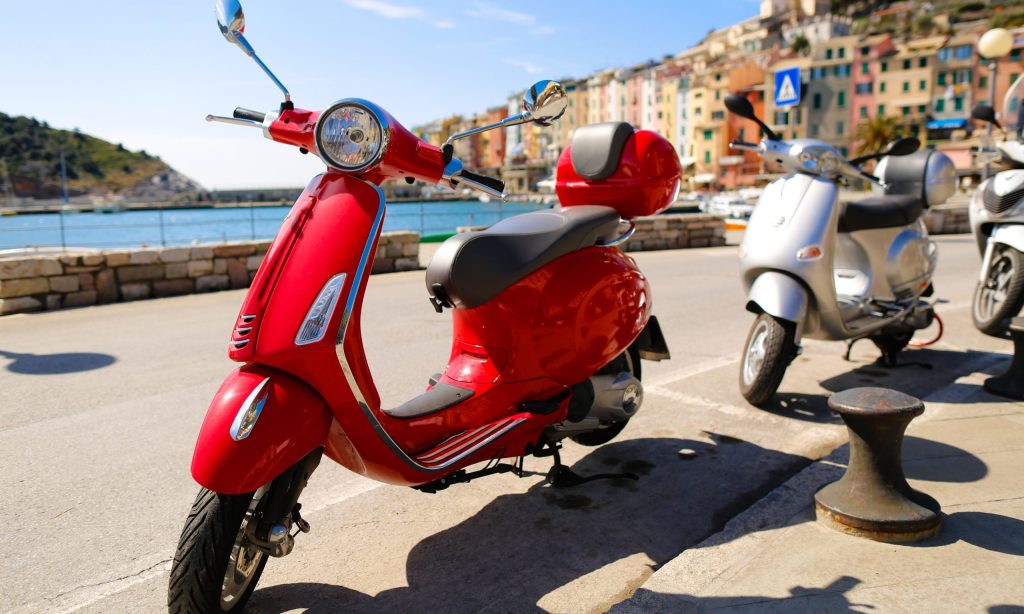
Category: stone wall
[677,231]
[43,282]
[947,220]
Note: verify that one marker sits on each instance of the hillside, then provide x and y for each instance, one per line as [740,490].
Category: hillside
[31,150]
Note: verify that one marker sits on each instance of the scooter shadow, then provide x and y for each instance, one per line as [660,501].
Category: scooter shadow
[521,547]
[919,372]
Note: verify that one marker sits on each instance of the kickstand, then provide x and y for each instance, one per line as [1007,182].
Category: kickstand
[849,348]
[561,476]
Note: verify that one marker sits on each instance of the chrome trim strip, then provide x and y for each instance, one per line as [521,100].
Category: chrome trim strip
[246,405]
[378,114]
[453,448]
[249,317]
[478,446]
[622,238]
[239,344]
[243,330]
[346,369]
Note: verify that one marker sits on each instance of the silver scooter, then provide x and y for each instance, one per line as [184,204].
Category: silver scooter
[997,221]
[816,267]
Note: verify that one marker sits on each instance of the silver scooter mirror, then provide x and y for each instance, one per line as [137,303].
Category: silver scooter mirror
[545,102]
[231,21]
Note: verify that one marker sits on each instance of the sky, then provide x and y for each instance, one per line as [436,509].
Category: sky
[146,74]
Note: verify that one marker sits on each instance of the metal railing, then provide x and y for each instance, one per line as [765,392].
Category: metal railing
[178,227]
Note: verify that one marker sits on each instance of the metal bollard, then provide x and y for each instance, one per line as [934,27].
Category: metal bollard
[873,499]
[1011,383]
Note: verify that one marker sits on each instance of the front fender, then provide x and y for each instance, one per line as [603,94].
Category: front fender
[779,295]
[292,420]
[1009,234]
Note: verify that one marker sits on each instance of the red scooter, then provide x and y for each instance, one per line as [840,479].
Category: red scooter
[550,323]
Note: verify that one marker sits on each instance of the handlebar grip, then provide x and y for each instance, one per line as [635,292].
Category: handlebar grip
[495,184]
[256,116]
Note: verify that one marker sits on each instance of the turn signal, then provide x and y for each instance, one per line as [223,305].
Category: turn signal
[319,315]
[811,252]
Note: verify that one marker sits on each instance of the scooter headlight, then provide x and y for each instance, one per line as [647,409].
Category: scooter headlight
[352,135]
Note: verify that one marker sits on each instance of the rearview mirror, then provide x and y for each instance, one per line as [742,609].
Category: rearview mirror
[903,147]
[741,107]
[231,21]
[545,102]
[985,113]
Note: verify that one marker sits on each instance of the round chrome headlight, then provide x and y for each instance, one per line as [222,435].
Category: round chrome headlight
[351,135]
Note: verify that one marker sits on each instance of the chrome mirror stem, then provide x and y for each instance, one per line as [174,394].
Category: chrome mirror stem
[514,120]
[249,51]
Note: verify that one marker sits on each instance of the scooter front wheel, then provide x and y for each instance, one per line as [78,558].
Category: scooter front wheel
[770,347]
[215,568]
[1000,296]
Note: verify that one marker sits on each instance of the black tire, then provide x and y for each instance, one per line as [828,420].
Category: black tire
[198,573]
[762,372]
[628,361]
[1001,295]
[891,344]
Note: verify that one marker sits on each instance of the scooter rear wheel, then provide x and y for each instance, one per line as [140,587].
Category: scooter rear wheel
[769,349]
[1000,296]
[215,569]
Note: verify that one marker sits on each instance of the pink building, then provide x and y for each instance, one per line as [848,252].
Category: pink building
[867,55]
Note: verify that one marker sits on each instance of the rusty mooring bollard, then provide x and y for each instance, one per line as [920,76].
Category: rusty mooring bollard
[1011,383]
[873,499]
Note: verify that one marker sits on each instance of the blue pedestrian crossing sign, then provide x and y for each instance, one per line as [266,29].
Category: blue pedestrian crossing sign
[787,87]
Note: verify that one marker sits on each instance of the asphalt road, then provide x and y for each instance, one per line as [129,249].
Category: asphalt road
[99,408]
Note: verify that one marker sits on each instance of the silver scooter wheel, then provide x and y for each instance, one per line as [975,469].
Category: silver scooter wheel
[769,349]
[1000,296]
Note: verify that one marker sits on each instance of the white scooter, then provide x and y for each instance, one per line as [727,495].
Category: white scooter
[816,267]
[997,220]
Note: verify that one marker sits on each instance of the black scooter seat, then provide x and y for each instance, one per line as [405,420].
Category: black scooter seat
[471,268]
[889,211]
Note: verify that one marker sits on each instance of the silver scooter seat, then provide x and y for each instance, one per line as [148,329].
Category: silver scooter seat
[471,268]
[891,210]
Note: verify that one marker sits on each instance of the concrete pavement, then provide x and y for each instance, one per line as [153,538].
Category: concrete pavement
[100,407]
[965,451]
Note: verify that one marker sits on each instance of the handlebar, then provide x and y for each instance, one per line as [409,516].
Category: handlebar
[497,185]
[744,145]
[242,113]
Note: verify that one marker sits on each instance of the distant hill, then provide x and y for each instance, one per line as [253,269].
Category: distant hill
[31,150]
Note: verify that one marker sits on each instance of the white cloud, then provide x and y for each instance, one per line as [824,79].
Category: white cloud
[386,9]
[489,11]
[389,10]
[544,30]
[529,67]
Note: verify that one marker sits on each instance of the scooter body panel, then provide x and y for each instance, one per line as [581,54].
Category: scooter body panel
[291,420]
[778,295]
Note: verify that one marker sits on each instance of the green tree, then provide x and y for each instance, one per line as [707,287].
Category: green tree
[801,45]
[875,134]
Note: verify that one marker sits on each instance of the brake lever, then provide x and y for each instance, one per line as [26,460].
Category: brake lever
[234,120]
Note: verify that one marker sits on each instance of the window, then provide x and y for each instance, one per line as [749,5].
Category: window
[840,128]
[906,86]
[982,82]
[881,109]
[818,73]
[1013,77]
[718,76]
[845,152]
[943,55]
[865,50]
[922,108]
[1015,55]
[905,111]
[697,111]
[718,115]
[942,78]
[707,157]
[863,112]
[923,85]
[881,86]
[864,88]
[940,105]
[843,70]
[906,64]
[781,118]
[814,131]
[963,52]
[708,134]
[718,94]
[842,52]
[742,134]
[817,101]
[885,67]
[958,103]
[864,68]
[828,54]
[922,63]
[841,99]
